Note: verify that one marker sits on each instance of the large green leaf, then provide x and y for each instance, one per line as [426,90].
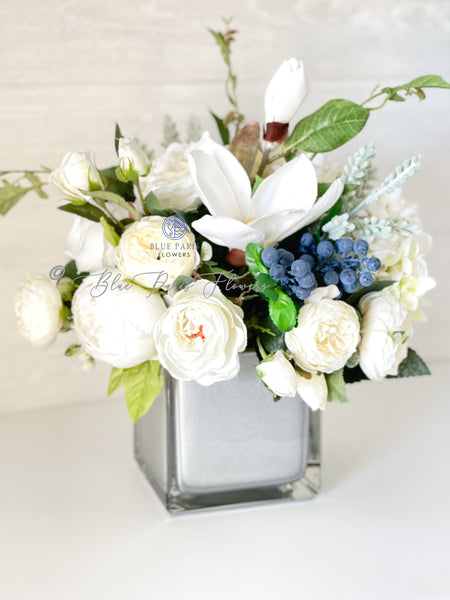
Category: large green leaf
[88,211]
[412,366]
[142,385]
[428,81]
[283,311]
[329,127]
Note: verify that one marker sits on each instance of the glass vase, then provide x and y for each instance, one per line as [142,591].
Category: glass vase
[228,444]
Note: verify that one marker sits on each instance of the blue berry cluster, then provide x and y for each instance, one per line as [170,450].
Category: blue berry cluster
[343,263]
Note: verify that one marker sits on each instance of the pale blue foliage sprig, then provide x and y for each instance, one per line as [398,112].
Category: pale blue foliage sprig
[392,181]
[358,166]
[371,226]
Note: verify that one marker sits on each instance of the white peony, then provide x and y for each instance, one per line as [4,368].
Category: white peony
[171,181]
[200,336]
[147,256]
[279,375]
[115,320]
[87,246]
[133,162]
[385,327]
[38,310]
[76,176]
[327,332]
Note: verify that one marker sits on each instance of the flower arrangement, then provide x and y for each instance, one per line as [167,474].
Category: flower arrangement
[187,259]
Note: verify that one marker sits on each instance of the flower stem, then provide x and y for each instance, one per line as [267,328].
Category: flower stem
[141,196]
[261,348]
[102,205]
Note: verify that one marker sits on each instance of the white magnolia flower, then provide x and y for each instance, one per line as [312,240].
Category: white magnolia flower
[201,334]
[385,328]
[76,176]
[279,375]
[133,162]
[327,332]
[38,310]
[86,243]
[283,203]
[115,321]
[285,92]
[147,256]
[171,180]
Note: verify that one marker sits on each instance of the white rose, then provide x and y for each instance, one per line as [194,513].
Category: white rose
[38,310]
[285,92]
[385,328]
[171,181]
[76,176]
[279,375]
[86,243]
[133,162]
[327,332]
[200,336]
[147,256]
[115,320]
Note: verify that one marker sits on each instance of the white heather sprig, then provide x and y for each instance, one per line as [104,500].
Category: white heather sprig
[371,226]
[392,181]
[338,226]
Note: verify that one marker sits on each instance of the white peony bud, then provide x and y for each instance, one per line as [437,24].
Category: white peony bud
[284,94]
[133,162]
[385,328]
[171,181]
[327,332]
[115,320]
[278,374]
[38,310]
[76,176]
[146,255]
[201,334]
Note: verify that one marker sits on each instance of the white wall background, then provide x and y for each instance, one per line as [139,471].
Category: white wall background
[70,68]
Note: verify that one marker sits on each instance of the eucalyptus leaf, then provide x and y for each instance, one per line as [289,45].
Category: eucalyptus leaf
[334,124]
[336,386]
[142,385]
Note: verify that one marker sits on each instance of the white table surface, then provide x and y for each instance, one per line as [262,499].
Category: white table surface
[79,521]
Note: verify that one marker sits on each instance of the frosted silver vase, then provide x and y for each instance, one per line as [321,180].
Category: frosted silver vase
[228,444]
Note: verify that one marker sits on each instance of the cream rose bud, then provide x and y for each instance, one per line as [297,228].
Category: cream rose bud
[385,328]
[285,92]
[201,334]
[76,176]
[115,320]
[38,310]
[327,332]
[171,181]
[313,390]
[278,374]
[146,255]
[133,162]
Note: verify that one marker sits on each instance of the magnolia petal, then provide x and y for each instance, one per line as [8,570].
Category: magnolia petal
[220,180]
[276,227]
[313,390]
[226,231]
[292,187]
[325,202]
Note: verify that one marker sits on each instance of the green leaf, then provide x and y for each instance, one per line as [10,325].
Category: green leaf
[88,211]
[155,207]
[10,195]
[142,385]
[253,259]
[273,341]
[117,136]
[258,181]
[283,311]
[36,183]
[411,366]
[70,270]
[336,386]
[223,129]
[115,185]
[222,45]
[266,287]
[377,286]
[115,199]
[110,233]
[334,124]
[428,81]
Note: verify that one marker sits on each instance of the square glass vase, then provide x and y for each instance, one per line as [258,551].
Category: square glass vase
[228,444]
